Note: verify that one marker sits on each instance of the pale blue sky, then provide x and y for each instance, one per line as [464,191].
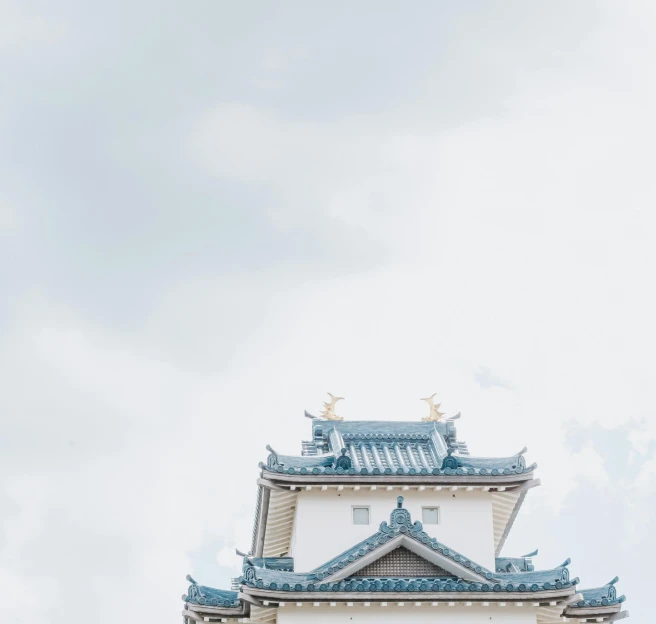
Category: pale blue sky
[211,213]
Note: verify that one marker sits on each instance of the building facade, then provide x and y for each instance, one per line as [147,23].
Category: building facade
[387,521]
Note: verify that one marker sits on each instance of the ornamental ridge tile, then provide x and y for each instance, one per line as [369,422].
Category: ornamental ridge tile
[515,564]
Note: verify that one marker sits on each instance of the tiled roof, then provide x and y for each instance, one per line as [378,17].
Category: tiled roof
[600,596]
[548,579]
[389,584]
[201,595]
[326,578]
[386,448]
[286,564]
[276,574]
[515,564]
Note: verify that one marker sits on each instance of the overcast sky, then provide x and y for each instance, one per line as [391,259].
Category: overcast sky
[211,213]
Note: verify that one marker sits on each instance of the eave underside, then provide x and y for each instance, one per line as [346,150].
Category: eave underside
[550,612]
[556,615]
[491,482]
[505,506]
[560,597]
[547,613]
[198,613]
[279,523]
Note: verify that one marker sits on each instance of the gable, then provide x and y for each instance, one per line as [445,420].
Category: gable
[351,565]
[404,563]
[401,532]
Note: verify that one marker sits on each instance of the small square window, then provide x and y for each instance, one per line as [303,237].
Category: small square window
[360,515]
[430,515]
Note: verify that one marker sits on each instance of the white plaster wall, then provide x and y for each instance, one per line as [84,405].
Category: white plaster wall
[409,613]
[323,526]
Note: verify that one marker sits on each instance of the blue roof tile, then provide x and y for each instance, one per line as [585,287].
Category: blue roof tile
[600,596]
[285,564]
[318,580]
[515,564]
[202,595]
[390,448]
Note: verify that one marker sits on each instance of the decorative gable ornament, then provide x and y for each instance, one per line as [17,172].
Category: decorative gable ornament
[343,461]
[434,414]
[329,408]
[401,532]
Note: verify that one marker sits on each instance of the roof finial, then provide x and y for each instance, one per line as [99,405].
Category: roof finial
[434,415]
[399,502]
[329,408]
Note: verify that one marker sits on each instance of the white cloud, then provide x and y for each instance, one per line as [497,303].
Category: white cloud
[21,28]
[9,219]
[518,244]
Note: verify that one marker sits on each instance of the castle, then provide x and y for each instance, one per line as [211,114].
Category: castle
[386,521]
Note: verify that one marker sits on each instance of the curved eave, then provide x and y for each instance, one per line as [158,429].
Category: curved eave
[198,612]
[406,479]
[599,611]
[395,596]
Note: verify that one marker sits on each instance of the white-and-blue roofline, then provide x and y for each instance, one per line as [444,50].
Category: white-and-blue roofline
[402,531]
[605,596]
[392,449]
[274,579]
[515,564]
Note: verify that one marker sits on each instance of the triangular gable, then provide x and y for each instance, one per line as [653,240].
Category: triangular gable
[402,563]
[401,532]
